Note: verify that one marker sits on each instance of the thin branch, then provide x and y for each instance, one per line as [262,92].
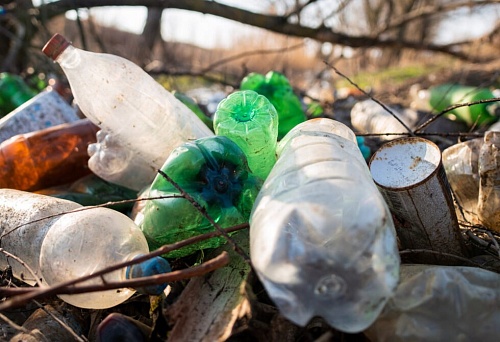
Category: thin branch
[450,108]
[410,132]
[24,295]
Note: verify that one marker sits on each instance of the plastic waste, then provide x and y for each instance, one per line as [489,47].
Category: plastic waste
[146,121]
[472,169]
[13,92]
[118,327]
[251,121]
[215,173]
[441,303]
[46,109]
[60,245]
[48,157]
[276,87]
[367,116]
[440,97]
[93,190]
[365,150]
[322,239]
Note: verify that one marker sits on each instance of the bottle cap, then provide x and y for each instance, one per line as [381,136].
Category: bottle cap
[150,267]
[55,46]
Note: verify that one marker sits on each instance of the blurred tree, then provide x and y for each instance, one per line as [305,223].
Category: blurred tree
[388,25]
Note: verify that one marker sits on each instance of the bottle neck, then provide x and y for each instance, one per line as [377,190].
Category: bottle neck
[69,58]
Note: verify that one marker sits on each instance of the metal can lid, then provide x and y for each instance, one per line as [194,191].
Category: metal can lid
[55,46]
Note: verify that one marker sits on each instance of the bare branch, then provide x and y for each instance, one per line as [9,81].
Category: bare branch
[278,24]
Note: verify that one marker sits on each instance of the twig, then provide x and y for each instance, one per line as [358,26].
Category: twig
[203,211]
[450,108]
[410,132]
[23,295]
[30,270]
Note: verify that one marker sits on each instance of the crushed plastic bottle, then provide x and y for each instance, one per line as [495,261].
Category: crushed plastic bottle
[215,173]
[46,109]
[48,157]
[441,303]
[472,168]
[251,121]
[322,239]
[60,245]
[144,119]
[276,87]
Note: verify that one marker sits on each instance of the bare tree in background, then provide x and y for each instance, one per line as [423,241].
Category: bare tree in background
[391,26]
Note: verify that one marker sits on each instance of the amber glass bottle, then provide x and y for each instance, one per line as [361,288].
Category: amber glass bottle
[45,158]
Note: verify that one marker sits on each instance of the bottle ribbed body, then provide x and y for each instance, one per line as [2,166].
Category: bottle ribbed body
[60,246]
[129,104]
[322,239]
[48,157]
[251,121]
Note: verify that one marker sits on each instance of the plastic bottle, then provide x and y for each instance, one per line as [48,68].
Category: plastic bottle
[46,109]
[442,96]
[276,87]
[60,246]
[322,239]
[13,92]
[214,172]
[367,116]
[441,303]
[251,121]
[126,102]
[48,157]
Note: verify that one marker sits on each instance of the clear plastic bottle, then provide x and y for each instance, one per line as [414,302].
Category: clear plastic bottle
[322,239]
[369,117]
[60,246]
[48,157]
[441,303]
[251,121]
[126,102]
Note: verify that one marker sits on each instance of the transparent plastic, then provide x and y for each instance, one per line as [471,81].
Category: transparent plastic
[441,303]
[472,168]
[126,102]
[369,117]
[251,121]
[322,239]
[60,246]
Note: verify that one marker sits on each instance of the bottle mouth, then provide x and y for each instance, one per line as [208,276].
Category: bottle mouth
[55,46]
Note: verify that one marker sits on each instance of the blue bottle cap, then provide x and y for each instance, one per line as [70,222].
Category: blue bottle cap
[150,267]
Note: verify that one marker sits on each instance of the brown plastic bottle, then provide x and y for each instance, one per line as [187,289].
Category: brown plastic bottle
[45,158]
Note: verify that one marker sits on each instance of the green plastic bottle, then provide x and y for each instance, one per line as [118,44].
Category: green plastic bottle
[251,121]
[215,173]
[13,92]
[445,95]
[276,87]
